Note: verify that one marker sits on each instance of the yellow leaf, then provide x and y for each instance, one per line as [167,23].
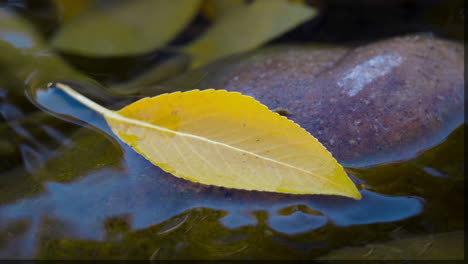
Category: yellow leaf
[226,139]
[124,28]
[68,9]
[215,9]
[247,27]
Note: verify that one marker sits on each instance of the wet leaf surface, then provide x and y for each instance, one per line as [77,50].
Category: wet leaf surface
[220,142]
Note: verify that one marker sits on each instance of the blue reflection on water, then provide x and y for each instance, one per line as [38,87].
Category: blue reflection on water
[238,219]
[17,39]
[107,192]
[298,222]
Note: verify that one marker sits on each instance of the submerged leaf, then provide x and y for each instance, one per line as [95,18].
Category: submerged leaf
[214,9]
[68,9]
[247,27]
[163,71]
[128,28]
[26,59]
[226,139]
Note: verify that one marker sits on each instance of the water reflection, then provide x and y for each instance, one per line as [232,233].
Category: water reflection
[17,39]
[130,188]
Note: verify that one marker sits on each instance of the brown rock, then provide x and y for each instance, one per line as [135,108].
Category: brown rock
[373,104]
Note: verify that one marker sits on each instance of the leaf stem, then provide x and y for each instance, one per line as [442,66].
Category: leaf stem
[83,99]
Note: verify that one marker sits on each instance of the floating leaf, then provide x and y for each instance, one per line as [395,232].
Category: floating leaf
[247,27]
[226,139]
[125,28]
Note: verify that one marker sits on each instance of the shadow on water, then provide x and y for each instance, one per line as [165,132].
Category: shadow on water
[110,196]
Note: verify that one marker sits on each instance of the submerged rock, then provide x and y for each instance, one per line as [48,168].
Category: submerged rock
[373,104]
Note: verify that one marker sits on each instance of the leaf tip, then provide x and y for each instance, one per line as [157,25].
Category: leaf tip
[355,194]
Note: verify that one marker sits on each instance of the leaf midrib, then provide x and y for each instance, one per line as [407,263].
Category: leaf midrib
[116,116]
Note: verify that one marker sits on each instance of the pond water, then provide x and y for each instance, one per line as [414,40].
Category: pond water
[94,197]
[70,189]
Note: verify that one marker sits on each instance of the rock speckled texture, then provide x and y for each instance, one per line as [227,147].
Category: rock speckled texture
[373,104]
